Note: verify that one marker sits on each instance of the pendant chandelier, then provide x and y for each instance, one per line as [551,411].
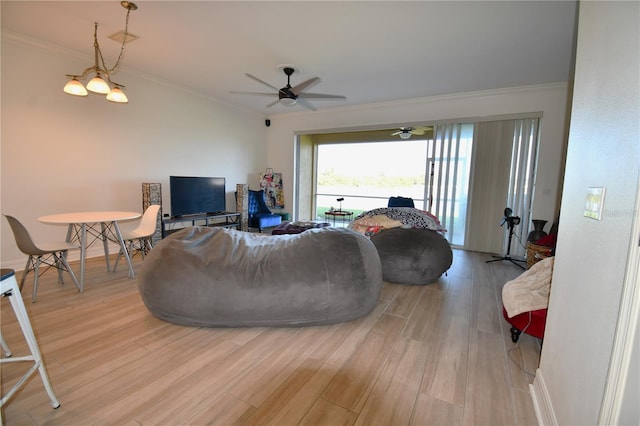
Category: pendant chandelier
[97,84]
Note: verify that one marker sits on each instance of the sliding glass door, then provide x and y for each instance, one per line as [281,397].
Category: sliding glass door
[463,173]
[366,174]
[434,172]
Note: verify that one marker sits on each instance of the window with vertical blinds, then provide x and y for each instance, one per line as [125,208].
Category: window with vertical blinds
[473,171]
[503,175]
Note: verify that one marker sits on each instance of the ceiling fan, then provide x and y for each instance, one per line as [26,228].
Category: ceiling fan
[291,95]
[406,132]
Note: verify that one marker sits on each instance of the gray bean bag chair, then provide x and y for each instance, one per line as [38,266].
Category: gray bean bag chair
[217,277]
[412,255]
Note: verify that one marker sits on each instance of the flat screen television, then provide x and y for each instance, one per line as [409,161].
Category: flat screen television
[192,195]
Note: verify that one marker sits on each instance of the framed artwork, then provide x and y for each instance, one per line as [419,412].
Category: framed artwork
[271,184]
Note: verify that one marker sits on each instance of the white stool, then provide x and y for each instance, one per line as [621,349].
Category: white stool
[10,289]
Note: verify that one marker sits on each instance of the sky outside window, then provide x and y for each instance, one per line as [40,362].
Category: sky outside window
[376,169]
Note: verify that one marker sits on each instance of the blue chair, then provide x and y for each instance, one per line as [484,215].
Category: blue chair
[259,214]
[400,202]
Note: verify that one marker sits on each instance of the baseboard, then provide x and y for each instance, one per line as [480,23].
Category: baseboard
[541,401]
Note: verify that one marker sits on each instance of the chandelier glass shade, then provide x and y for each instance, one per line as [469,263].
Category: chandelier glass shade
[74,87]
[101,82]
[117,95]
[98,85]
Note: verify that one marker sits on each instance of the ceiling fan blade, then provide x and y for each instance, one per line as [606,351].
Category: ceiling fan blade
[253,93]
[290,95]
[253,77]
[302,101]
[396,133]
[322,96]
[420,130]
[305,85]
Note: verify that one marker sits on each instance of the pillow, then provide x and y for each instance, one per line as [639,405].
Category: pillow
[408,216]
[379,220]
[365,230]
[371,225]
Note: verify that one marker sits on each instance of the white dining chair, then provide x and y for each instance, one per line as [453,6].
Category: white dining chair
[48,254]
[139,238]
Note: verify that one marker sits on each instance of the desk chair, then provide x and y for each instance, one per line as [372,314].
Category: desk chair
[10,289]
[400,202]
[140,237]
[51,255]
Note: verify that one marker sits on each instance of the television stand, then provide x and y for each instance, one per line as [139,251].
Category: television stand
[215,219]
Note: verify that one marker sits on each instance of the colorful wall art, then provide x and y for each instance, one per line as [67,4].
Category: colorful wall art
[271,184]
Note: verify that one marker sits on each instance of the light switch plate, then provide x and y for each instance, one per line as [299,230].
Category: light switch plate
[594,202]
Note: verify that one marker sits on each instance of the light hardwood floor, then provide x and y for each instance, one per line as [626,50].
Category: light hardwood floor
[427,355]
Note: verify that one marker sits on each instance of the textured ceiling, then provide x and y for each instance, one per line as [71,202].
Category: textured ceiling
[368,51]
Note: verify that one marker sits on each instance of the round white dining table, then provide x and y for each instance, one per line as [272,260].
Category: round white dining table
[102,225]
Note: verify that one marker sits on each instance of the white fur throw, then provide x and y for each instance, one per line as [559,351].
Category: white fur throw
[529,291]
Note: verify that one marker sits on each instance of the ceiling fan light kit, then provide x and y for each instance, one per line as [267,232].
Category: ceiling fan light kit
[406,132]
[292,95]
[97,84]
[287,101]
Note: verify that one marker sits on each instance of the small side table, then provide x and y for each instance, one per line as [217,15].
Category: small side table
[10,289]
[344,215]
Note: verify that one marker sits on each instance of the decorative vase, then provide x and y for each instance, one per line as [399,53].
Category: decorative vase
[538,230]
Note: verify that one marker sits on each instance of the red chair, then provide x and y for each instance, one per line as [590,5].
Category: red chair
[532,323]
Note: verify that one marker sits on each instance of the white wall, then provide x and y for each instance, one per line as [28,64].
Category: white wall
[592,256]
[63,153]
[550,99]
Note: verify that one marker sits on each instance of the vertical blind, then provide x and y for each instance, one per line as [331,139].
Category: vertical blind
[448,167]
[524,159]
[503,170]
